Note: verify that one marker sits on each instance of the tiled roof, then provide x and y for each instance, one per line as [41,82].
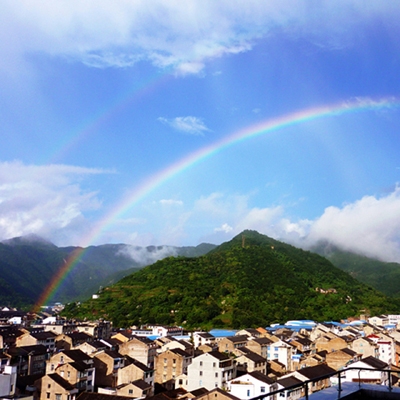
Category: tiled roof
[61,381]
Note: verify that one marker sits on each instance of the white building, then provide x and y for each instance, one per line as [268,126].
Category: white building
[210,370]
[251,385]
[372,375]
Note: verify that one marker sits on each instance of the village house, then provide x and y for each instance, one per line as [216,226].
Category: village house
[44,338]
[29,360]
[318,375]
[210,370]
[380,320]
[54,387]
[203,338]
[134,370]
[249,361]
[72,340]
[107,364]
[251,385]
[171,363]
[92,347]
[365,347]
[374,374]
[76,367]
[260,346]
[215,394]
[249,332]
[338,359]
[293,391]
[230,344]
[330,343]
[177,344]
[141,348]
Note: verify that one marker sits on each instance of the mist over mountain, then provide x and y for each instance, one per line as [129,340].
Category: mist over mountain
[28,263]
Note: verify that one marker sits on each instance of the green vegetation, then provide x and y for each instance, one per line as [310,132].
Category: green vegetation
[252,280]
[383,276]
[27,265]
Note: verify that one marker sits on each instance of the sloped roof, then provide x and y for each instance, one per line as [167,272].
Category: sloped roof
[289,381]
[316,371]
[261,377]
[61,381]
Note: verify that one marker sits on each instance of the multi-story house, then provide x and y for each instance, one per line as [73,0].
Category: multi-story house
[134,370]
[371,372]
[54,387]
[365,347]
[140,348]
[72,340]
[211,370]
[29,360]
[107,364]
[249,361]
[203,338]
[291,393]
[318,374]
[171,363]
[251,385]
[340,358]
[44,338]
[177,344]
[230,344]
[260,346]
[76,367]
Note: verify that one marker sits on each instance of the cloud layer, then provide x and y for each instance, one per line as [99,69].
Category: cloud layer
[45,200]
[168,34]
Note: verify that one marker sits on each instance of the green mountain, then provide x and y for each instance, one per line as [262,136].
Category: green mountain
[383,276]
[250,281]
[27,265]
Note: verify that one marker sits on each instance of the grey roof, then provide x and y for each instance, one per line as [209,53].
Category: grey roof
[374,362]
[61,381]
[76,355]
[261,377]
[316,371]
[289,381]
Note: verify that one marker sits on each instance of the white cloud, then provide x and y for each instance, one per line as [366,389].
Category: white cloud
[45,200]
[147,256]
[191,125]
[170,35]
[224,228]
[369,226]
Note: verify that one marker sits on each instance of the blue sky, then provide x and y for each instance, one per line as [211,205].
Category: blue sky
[97,98]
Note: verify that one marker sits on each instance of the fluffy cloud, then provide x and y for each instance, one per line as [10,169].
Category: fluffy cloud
[169,35]
[148,255]
[191,125]
[369,226]
[45,200]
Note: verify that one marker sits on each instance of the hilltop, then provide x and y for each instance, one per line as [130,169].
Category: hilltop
[251,280]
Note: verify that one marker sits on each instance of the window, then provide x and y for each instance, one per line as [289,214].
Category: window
[216,374]
[49,386]
[248,393]
[201,373]
[262,389]
[130,391]
[213,364]
[69,374]
[47,395]
[201,363]
[58,396]
[174,360]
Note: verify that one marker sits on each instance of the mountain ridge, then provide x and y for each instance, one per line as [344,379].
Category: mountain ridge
[251,280]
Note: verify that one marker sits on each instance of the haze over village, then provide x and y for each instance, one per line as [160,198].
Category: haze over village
[199,200]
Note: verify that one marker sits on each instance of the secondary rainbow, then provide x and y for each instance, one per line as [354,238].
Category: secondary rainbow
[160,178]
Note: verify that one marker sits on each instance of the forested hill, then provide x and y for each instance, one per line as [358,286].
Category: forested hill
[250,281]
[28,263]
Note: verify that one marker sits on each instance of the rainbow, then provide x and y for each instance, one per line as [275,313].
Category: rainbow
[160,178]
